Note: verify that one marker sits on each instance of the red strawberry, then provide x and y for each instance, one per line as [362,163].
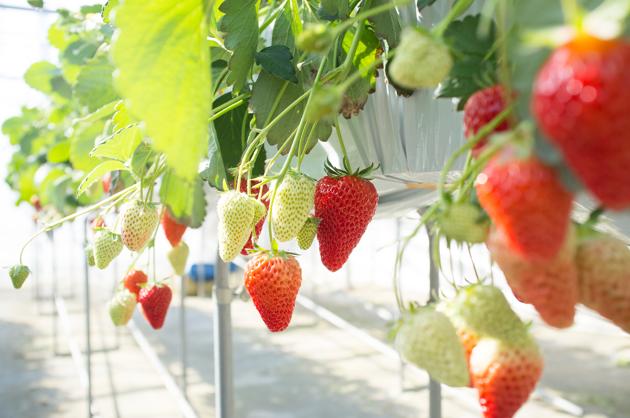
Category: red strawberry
[527,201]
[480,109]
[581,100]
[172,229]
[273,282]
[106,182]
[97,223]
[550,285]
[36,202]
[505,372]
[155,300]
[134,280]
[345,205]
[604,270]
[249,245]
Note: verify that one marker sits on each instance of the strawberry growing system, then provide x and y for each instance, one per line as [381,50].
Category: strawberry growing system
[152,102]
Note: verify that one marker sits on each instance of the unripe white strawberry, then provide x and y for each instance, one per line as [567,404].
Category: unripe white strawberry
[121,307]
[464,222]
[421,60]
[293,203]
[107,246]
[138,222]
[307,234]
[177,256]
[428,339]
[237,213]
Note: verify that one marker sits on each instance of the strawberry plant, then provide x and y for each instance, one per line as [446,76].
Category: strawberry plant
[152,104]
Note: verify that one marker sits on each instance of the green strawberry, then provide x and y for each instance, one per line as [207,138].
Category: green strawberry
[138,222]
[18,274]
[237,213]
[89,254]
[483,310]
[121,307]
[464,222]
[307,234]
[293,202]
[428,339]
[107,246]
[178,256]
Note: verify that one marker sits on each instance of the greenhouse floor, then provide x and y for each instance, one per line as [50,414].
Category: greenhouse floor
[312,370]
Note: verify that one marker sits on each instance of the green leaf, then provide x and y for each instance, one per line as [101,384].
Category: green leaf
[59,153]
[120,145]
[386,24]
[36,3]
[40,74]
[141,160]
[94,84]
[475,62]
[240,24]
[164,71]
[79,52]
[185,199]
[226,143]
[91,9]
[98,172]
[82,142]
[282,33]
[277,60]
[100,113]
[334,9]
[47,186]
[107,10]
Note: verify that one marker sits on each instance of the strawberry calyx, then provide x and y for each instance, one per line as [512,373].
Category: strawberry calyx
[335,172]
[271,252]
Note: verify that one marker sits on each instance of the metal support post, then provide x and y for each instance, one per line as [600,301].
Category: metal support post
[53,291]
[223,366]
[183,344]
[88,337]
[435,389]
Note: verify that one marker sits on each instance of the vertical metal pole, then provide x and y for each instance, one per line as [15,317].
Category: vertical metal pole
[183,345]
[88,337]
[435,389]
[53,291]
[223,367]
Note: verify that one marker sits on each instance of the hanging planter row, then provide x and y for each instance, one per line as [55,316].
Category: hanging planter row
[151,101]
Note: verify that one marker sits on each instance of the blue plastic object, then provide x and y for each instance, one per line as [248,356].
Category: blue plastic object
[205,272]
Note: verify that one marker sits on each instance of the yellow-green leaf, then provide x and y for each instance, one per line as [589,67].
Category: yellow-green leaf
[98,172]
[163,66]
[120,145]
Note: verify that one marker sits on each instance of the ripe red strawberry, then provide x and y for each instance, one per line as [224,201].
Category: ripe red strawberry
[505,372]
[581,100]
[345,204]
[527,201]
[480,109]
[172,229]
[134,280]
[249,245]
[155,300]
[273,282]
[550,285]
[604,270]
[106,182]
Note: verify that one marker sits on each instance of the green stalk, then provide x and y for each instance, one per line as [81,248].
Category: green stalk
[117,197]
[457,10]
[227,106]
[342,145]
[369,13]
[272,16]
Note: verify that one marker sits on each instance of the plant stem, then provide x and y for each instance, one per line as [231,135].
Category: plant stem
[227,106]
[573,13]
[342,145]
[468,145]
[369,13]
[49,227]
[346,66]
[272,16]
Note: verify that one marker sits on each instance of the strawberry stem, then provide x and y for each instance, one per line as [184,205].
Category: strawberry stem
[346,160]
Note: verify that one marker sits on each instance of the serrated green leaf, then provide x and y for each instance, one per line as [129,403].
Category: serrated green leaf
[227,142]
[282,33]
[387,24]
[46,187]
[240,24]
[82,142]
[91,9]
[277,60]
[164,71]
[36,3]
[98,172]
[100,113]
[185,199]
[120,145]
[94,84]
[143,157]
[108,7]
[357,95]
[40,74]
[475,64]
[59,153]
